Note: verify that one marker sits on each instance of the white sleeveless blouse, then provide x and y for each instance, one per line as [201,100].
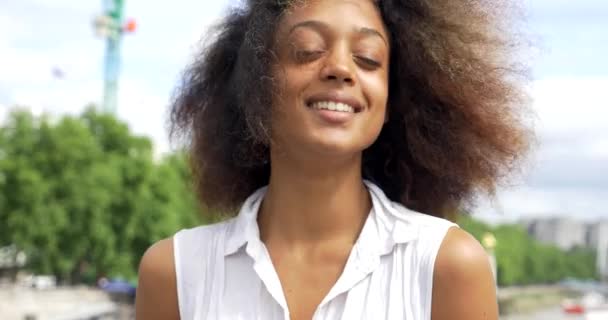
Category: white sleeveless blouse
[224,270]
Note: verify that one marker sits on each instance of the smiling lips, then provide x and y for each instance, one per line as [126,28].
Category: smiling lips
[333,106]
[333,112]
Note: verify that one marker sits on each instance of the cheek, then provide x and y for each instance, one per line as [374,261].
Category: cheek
[285,116]
[376,91]
[289,84]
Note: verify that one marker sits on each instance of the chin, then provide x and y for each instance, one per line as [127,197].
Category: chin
[324,145]
[337,147]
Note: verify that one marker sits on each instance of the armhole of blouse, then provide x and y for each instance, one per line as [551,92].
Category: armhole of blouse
[434,242]
[178,273]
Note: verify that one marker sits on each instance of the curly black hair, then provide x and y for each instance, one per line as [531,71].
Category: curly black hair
[456,100]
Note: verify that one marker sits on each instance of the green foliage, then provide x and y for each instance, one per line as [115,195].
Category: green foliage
[522,260]
[84,197]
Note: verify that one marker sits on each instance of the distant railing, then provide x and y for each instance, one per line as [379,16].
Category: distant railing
[94,312]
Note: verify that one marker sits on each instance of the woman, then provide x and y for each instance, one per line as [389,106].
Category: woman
[343,132]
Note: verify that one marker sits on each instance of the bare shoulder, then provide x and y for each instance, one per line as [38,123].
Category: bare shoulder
[156,290]
[463,284]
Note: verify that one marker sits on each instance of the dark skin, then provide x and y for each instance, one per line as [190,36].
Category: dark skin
[316,204]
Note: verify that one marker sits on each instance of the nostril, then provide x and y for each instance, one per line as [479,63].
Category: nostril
[344,79]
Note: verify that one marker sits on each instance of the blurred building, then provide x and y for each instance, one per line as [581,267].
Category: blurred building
[601,243]
[567,233]
[597,238]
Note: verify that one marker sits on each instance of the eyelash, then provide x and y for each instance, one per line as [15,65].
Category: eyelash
[307,55]
[370,62]
[310,55]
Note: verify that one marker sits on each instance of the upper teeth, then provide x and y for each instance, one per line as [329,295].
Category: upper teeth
[333,106]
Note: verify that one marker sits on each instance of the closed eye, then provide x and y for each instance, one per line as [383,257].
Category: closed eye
[368,62]
[304,56]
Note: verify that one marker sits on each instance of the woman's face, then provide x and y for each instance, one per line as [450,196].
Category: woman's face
[332,76]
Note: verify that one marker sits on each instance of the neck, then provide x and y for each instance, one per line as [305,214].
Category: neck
[308,204]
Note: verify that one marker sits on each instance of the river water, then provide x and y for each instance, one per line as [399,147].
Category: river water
[549,314]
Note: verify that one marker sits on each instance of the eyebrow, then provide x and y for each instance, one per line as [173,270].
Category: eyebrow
[318,25]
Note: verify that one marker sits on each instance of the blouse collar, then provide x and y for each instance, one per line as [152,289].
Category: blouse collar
[388,224]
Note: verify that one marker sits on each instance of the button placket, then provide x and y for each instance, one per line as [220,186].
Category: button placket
[265,270]
[363,260]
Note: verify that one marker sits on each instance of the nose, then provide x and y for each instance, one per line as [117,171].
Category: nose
[338,67]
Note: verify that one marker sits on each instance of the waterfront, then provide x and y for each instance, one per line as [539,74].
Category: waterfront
[548,314]
[66,303]
[555,313]
[73,302]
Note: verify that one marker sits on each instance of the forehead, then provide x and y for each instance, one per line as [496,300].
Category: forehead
[339,13]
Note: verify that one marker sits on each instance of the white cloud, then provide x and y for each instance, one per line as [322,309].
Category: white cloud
[564,9]
[513,205]
[3,113]
[46,34]
[26,67]
[16,26]
[62,5]
[576,105]
[146,113]
[599,148]
[59,97]
[569,175]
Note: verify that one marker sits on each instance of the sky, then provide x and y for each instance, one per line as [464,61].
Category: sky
[567,174]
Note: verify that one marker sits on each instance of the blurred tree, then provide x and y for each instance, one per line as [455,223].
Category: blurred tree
[475,227]
[83,196]
[522,260]
[535,264]
[511,251]
[581,263]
